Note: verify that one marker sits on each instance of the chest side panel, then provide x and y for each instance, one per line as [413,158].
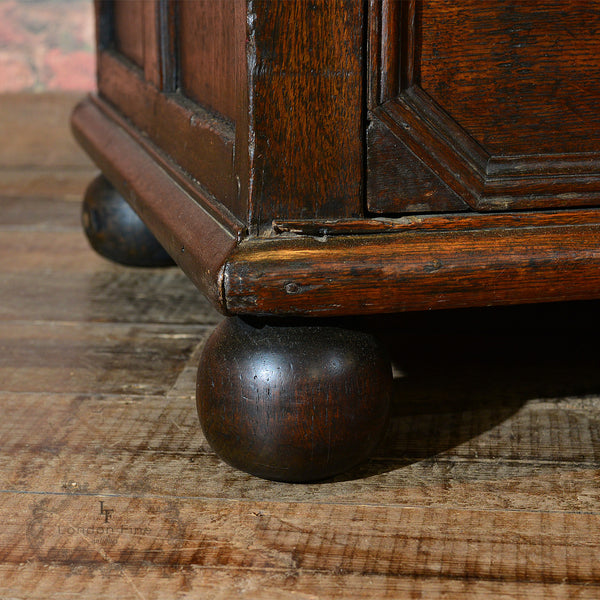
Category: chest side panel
[176,71]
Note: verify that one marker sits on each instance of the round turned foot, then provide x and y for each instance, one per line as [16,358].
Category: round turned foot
[292,402]
[116,232]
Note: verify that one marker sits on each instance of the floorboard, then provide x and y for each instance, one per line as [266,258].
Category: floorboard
[485,486]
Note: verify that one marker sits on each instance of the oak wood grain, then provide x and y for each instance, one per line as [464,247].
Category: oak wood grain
[523,91]
[488,98]
[273,584]
[413,123]
[212,39]
[440,222]
[420,269]
[306,122]
[416,270]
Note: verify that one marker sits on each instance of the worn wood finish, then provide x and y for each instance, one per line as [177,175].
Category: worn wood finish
[443,222]
[434,263]
[399,182]
[251,116]
[484,181]
[306,113]
[245,583]
[293,401]
[286,155]
[484,487]
[260,152]
[415,270]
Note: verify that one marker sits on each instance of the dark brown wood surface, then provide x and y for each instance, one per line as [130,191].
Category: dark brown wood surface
[266,118]
[485,487]
[197,136]
[413,270]
[306,93]
[293,401]
[476,106]
[202,242]
[202,144]
[211,40]
[418,263]
[490,103]
[531,87]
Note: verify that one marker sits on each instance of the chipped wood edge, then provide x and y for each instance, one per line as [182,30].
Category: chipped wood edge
[413,270]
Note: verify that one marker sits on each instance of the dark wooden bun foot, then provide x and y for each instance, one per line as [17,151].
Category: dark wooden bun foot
[294,402]
[116,232]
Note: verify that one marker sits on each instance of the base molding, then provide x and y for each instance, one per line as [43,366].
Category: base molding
[195,239]
[344,267]
[413,270]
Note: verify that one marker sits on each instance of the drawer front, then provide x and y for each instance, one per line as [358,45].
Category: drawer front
[483,105]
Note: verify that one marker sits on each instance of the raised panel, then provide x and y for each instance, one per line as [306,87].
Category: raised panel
[520,76]
[209,51]
[497,99]
[128,18]
[193,136]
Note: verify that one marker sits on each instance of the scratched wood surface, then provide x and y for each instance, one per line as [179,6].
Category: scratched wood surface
[486,486]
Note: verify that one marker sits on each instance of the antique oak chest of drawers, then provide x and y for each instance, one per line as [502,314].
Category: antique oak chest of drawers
[306,160]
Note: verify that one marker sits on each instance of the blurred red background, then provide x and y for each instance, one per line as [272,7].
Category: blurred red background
[46,45]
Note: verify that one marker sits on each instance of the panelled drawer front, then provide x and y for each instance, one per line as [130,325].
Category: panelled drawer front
[483,105]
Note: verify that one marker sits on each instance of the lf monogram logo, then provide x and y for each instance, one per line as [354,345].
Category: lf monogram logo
[107,512]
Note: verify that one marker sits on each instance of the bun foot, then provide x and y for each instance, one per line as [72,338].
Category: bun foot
[293,402]
[116,232]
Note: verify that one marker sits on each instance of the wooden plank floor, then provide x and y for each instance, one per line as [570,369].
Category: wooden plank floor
[486,486]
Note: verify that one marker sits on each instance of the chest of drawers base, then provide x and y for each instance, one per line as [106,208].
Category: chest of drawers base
[302,166]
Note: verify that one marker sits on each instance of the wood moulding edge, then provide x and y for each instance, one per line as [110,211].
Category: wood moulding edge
[415,269]
[415,264]
[193,235]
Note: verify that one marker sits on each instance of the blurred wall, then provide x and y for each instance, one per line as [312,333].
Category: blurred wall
[46,45]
